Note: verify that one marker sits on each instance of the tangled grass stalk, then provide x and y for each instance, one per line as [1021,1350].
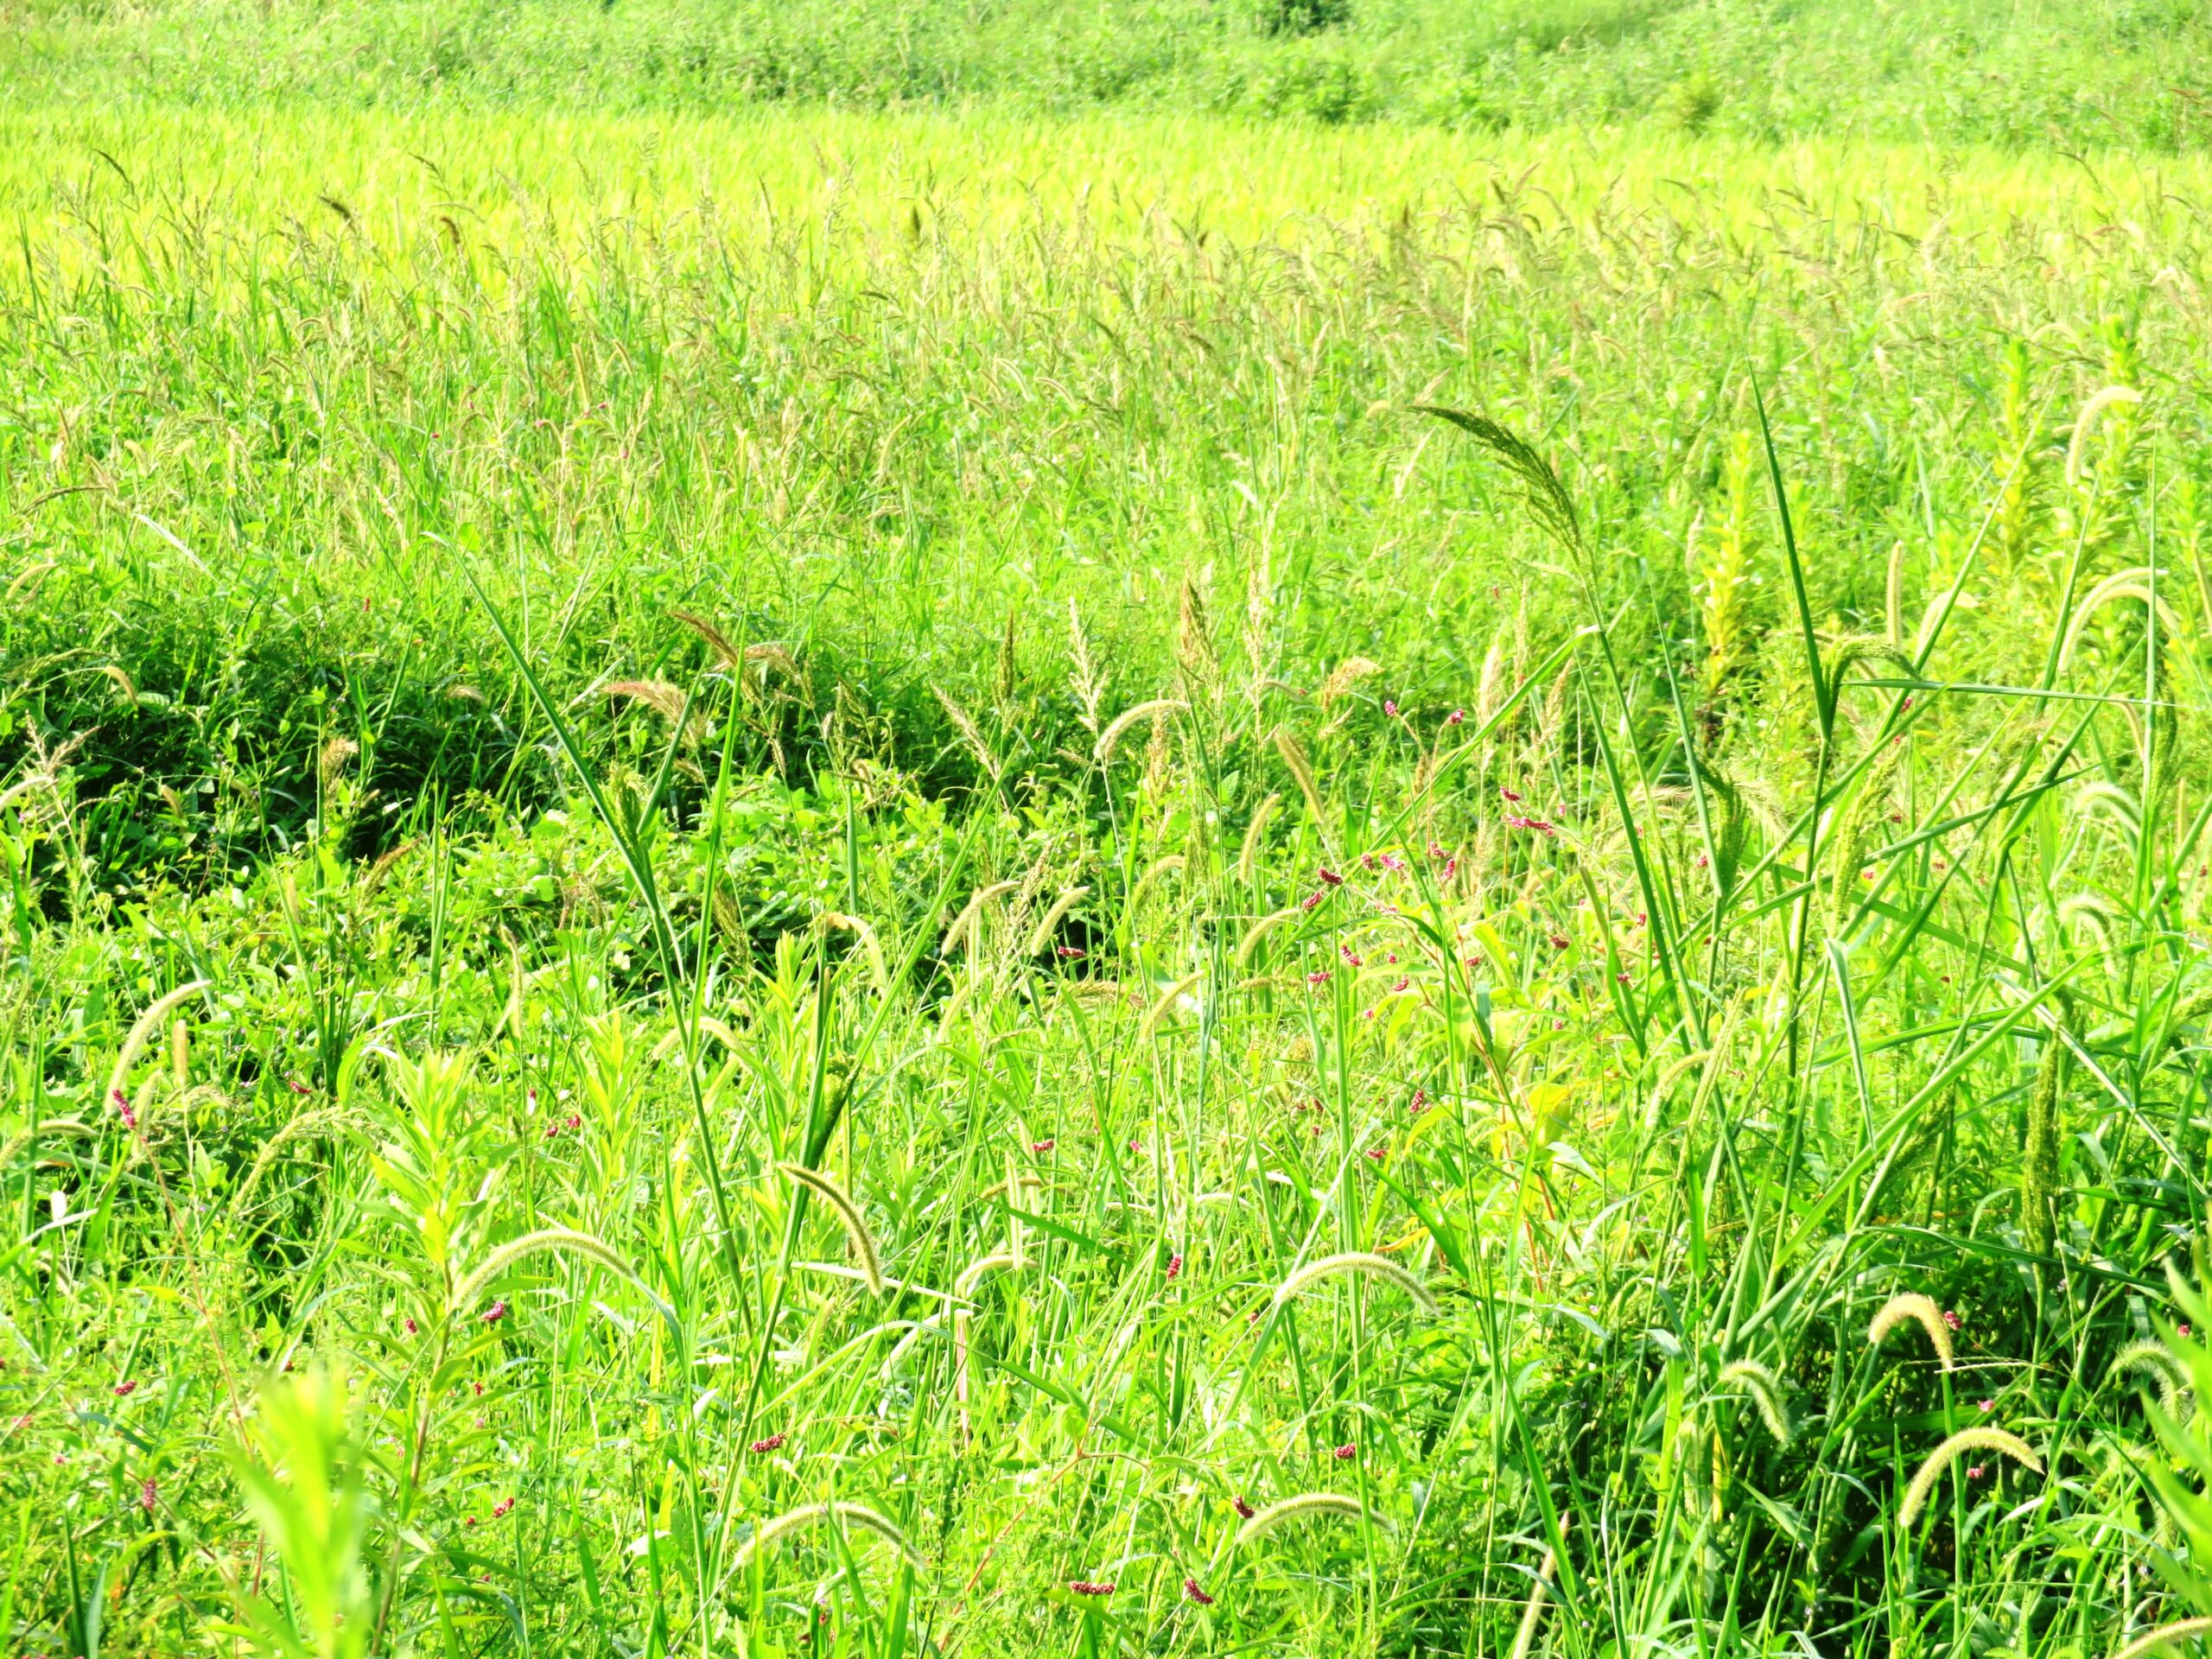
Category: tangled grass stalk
[1377,1266]
[809,1515]
[863,1242]
[1532,1615]
[1923,1311]
[1292,1509]
[1967,1439]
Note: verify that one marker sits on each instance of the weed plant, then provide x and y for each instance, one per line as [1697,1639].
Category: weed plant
[925,919]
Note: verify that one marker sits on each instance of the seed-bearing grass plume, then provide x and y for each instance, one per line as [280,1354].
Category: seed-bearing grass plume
[1109,738]
[814,1515]
[1764,1389]
[1967,1439]
[1306,1503]
[566,1241]
[1919,1309]
[141,1032]
[2155,1361]
[1301,772]
[1358,1261]
[849,1213]
[2164,1636]
[1048,925]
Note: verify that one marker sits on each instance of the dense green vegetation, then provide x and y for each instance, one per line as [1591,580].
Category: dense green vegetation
[961,881]
[2017,73]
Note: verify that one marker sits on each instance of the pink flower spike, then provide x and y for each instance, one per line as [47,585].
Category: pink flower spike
[1509,795]
[1068,953]
[1242,1508]
[771,1443]
[1456,717]
[1390,708]
[499,1509]
[1952,1319]
[1044,1146]
[125,1389]
[1537,825]
[1345,1452]
[148,1495]
[1175,1266]
[1311,899]
[494,1313]
[1974,1472]
[1375,1153]
[1988,1405]
[1320,976]
[1329,877]
[1092,1587]
[1191,1594]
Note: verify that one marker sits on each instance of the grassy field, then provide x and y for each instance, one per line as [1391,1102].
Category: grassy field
[822,880]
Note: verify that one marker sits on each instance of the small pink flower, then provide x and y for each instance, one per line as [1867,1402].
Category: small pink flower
[1437,852]
[1509,795]
[769,1445]
[1044,1146]
[1703,862]
[410,1324]
[1560,941]
[1175,1266]
[1952,1319]
[1351,957]
[1988,1405]
[1318,977]
[1242,1508]
[1068,953]
[552,1131]
[1390,708]
[1345,1452]
[1191,1594]
[125,1389]
[1092,1587]
[1537,824]
[122,1110]
[478,1386]
[1374,1153]
[1311,899]
[1419,1101]
[1974,1471]
[1455,717]
[1451,869]
[148,1495]
[468,1520]
[499,1509]
[1329,877]
[494,1313]
[1623,978]
[297,1087]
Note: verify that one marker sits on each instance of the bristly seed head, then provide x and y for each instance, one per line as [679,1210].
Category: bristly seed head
[1091,1586]
[1193,1594]
[771,1443]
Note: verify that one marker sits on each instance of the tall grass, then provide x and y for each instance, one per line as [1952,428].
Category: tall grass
[1235,1043]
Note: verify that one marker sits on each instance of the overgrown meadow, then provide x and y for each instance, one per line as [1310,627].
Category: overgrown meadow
[891,884]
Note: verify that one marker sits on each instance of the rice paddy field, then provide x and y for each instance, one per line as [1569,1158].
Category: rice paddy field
[967,862]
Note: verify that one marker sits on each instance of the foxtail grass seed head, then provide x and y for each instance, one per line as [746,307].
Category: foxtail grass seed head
[865,1254]
[1967,1439]
[1353,1261]
[2157,1363]
[848,1516]
[1766,1392]
[140,1034]
[1916,1309]
[2164,1636]
[1306,1505]
[1111,737]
